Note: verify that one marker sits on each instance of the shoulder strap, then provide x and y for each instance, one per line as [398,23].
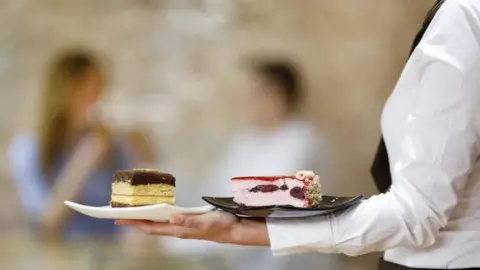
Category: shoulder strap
[380,169]
[426,23]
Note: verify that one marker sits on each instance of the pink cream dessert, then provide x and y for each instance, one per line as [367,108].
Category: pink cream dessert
[302,190]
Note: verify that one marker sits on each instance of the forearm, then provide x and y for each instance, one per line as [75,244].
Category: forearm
[380,223]
[69,187]
[251,233]
[55,214]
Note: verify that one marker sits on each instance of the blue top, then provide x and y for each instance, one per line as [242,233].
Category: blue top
[34,190]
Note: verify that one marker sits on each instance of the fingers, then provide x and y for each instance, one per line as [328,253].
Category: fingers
[187,226]
[157,228]
[125,222]
[210,221]
[143,225]
[178,220]
[188,221]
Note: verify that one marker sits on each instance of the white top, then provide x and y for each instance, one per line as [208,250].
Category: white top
[431,216]
[285,150]
[291,147]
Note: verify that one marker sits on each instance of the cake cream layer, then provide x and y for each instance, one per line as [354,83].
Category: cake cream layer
[243,195]
[142,200]
[273,198]
[122,188]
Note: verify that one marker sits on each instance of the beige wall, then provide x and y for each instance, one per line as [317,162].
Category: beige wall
[177,60]
[174,69]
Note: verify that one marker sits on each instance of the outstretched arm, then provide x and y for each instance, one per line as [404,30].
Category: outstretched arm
[438,145]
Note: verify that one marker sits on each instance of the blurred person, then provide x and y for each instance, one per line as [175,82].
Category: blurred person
[275,140]
[71,156]
[430,217]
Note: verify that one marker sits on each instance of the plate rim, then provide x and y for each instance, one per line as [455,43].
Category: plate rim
[353,199]
[135,209]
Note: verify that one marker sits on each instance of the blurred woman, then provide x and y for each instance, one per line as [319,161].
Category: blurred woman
[71,156]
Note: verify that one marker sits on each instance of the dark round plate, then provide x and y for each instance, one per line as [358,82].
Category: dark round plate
[329,205]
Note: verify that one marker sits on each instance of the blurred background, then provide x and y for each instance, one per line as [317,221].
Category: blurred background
[164,82]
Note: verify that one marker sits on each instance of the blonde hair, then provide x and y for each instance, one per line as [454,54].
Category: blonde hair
[64,76]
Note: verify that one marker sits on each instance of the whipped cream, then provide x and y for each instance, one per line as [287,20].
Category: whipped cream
[302,175]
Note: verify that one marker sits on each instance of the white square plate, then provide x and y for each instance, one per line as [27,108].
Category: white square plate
[158,212]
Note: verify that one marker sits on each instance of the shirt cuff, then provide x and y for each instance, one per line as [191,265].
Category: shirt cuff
[301,235]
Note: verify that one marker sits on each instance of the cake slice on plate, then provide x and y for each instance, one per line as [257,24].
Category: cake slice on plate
[301,190]
[140,187]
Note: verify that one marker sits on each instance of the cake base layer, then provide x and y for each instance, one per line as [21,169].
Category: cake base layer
[140,200]
[120,205]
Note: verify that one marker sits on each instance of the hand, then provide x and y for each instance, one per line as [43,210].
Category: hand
[217,226]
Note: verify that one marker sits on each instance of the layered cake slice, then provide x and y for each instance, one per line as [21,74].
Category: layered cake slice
[301,190]
[140,187]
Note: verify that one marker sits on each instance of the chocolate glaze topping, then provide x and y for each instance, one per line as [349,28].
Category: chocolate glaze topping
[143,177]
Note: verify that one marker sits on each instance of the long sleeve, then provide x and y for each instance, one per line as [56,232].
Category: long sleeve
[430,131]
[24,169]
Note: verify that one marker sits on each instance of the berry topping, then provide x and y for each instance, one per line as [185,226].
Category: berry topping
[298,193]
[264,188]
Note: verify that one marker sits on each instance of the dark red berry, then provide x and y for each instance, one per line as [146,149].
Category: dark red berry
[264,188]
[298,193]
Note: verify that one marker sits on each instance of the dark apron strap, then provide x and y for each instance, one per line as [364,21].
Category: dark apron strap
[380,169]
[384,265]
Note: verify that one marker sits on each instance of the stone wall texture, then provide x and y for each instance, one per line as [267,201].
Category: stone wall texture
[174,66]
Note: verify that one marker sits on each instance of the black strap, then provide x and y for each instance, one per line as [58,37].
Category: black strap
[380,169]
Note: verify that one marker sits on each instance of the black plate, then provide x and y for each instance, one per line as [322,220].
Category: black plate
[329,205]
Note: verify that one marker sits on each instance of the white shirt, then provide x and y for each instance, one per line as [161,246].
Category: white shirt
[291,147]
[431,216]
[285,150]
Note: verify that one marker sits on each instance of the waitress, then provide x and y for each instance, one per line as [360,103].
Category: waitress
[430,217]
